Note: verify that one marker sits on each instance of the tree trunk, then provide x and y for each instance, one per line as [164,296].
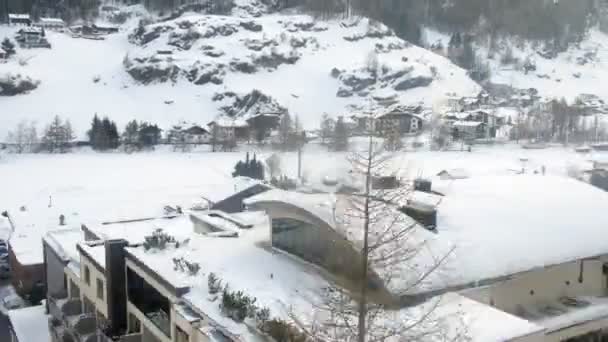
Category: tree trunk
[365,256]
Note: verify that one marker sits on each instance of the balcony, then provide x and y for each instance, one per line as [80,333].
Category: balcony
[62,307]
[161,320]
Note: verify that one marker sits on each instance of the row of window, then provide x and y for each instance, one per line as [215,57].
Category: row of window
[87,279]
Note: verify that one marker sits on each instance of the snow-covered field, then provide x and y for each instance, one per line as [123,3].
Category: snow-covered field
[306,88]
[96,187]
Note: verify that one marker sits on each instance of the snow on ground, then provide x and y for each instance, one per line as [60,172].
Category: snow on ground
[92,188]
[67,73]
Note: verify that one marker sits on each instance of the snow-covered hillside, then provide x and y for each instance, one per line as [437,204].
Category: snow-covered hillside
[579,70]
[310,67]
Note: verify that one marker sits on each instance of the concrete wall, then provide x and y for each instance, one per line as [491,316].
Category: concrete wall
[55,279]
[544,285]
[90,290]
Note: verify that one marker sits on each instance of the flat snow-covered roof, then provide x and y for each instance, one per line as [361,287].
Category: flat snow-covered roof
[64,242]
[30,324]
[245,263]
[501,225]
[491,226]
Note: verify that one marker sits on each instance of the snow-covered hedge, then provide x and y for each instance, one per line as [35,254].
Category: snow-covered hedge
[15,84]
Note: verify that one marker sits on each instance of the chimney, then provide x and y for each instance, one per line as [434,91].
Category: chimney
[116,286]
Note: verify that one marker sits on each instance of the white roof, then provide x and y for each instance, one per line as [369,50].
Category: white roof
[482,323]
[223,190]
[501,225]
[30,324]
[31,29]
[335,210]
[64,242]
[18,16]
[467,123]
[277,281]
[230,122]
[491,226]
[56,21]
[27,248]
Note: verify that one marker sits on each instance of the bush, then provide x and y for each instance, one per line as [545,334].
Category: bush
[238,305]
[158,240]
[185,266]
[214,283]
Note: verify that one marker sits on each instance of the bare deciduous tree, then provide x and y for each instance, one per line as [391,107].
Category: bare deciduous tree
[392,262]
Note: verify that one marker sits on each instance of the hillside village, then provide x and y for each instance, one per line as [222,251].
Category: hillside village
[299,171]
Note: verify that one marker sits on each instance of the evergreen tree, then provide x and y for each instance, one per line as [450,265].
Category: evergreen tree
[340,137]
[8,47]
[327,126]
[130,136]
[57,136]
[148,135]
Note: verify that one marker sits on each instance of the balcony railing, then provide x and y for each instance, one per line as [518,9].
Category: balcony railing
[161,321]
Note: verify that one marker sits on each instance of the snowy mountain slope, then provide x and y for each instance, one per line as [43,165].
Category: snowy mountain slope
[579,70]
[293,58]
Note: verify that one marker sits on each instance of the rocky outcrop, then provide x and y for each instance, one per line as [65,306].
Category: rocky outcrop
[244,106]
[414,82]
[251,26]
[147,73]
[201,74]
[11,84]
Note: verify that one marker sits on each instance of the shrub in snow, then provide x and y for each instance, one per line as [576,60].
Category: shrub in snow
[214,283]
[250,168]
[183,265]
[8,46]
[280,330]
[158,240]
[11,85]
[237,305]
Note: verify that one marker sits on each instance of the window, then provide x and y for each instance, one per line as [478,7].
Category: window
[99,288]
[180,335]
[87,275]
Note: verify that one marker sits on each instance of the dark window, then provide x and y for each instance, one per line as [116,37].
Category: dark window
[99,288]
[87,275]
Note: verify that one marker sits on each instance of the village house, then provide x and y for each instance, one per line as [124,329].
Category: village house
[32,37]
[196,134]
[263,124]
[19,19]
[406,119]
[55,24]
[228,129]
